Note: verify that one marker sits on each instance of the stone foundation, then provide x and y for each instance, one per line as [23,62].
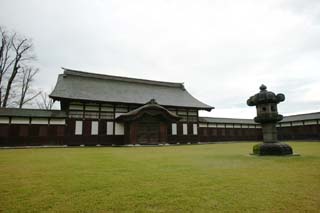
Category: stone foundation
[272,149]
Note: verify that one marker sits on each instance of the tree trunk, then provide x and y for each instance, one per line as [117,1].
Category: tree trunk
[10,81]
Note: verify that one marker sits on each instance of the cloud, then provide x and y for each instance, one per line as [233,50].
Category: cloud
[222,50]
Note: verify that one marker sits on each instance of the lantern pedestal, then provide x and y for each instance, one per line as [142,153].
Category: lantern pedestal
[272,149]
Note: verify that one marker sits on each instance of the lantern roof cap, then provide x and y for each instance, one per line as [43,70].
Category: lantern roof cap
[265,97]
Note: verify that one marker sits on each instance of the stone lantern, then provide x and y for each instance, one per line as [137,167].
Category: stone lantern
[267,115]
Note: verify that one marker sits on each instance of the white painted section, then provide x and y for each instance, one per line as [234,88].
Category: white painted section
[76,107]
[39,121]
[192,113]
[285,124]
[92,108]
[109,128]
[107,109]
[174,129]
[94,127]
[202,125]
[185,129]
[4,120]
[297,123]
[119,129]
[212,125]
[244,126]
[195,129]
[237,126]
[220,125]
[57,121]
[78,129]
[20,120]
[251,126]
[229,125]
[121,109]
[314,122]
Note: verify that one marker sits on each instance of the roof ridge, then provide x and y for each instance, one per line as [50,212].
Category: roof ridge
[120,78]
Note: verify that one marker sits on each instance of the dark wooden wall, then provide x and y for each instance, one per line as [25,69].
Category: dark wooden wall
[39,134]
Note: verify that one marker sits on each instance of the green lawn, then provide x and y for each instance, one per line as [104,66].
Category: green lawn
[195,178]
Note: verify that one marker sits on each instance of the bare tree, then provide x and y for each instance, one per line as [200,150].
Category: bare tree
[16,53]
[27,94]
[45,101]
[5,62]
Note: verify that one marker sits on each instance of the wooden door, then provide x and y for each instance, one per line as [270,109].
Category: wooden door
[148,130]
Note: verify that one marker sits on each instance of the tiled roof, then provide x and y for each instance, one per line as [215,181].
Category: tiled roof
[290,118]
[77,85]
[15,112]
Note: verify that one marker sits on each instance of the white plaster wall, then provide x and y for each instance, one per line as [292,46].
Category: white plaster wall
[109,128]
[185,129]
[20,120]
[202,125]
[220,125]
[4,120]
[229,126]
[92,108]
[76,107]
[119,128]
[39,120]
[174,129]
[57,121]
[94,127]
[285,124]
[314,122]
[195,129]
[237,126]
[78,128]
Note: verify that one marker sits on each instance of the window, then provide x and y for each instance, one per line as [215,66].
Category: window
[119,129]
[174,129]
[195,129]
[109,128]
[185,129]
[78,129]
[94,127]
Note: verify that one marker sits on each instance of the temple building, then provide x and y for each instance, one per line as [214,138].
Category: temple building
[111,110]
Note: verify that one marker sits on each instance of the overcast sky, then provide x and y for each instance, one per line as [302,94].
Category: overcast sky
[222,50]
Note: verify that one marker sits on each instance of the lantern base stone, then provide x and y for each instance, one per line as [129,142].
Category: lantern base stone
[272,149]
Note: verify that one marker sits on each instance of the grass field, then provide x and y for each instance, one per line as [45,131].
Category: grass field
[196,178]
